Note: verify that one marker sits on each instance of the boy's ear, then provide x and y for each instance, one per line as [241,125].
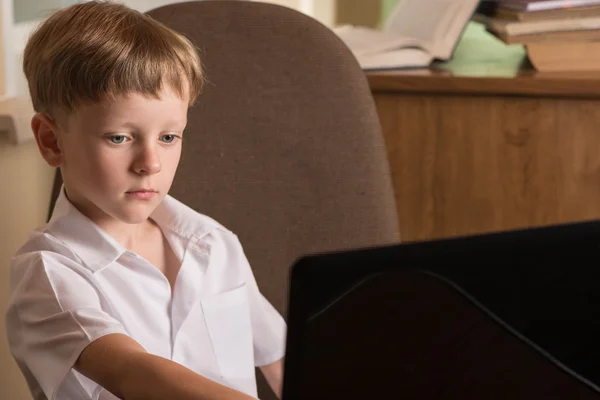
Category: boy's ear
[46,136]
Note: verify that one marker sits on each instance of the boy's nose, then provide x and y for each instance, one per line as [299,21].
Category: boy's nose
[148,161]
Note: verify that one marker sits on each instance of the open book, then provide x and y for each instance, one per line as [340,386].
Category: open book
[417,32]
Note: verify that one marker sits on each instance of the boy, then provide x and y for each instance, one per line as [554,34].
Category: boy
[126,292]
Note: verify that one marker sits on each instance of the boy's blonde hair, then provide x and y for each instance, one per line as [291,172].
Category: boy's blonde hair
[97,50]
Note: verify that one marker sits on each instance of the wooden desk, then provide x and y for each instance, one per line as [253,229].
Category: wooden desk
[484,143]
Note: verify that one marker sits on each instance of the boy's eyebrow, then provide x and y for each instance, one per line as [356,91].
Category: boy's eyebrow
[174,123]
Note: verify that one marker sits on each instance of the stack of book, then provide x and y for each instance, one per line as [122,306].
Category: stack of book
[559,35]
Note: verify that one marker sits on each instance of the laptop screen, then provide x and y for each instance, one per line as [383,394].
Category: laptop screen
[504,315]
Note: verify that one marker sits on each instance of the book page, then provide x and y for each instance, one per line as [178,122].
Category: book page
[409,57]
[437,24]
[458,18]
[362,40]
[419,19]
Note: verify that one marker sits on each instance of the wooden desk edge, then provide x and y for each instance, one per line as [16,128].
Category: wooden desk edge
[548,85]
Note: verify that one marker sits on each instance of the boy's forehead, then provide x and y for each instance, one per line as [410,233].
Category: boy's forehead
[124,106]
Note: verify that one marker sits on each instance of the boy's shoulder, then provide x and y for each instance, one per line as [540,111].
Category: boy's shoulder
[41,251]
[41,241]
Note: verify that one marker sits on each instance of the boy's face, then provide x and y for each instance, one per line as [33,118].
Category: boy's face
[118,158]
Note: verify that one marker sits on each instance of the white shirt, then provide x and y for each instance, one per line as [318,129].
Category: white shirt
[72,283]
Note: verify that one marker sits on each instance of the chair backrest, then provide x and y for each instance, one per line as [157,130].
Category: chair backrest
[284,146]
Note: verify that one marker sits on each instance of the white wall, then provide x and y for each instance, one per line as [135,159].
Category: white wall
[26,10]
[6,58]
[24,200]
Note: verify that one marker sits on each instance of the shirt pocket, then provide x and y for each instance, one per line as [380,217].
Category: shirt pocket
[227,317]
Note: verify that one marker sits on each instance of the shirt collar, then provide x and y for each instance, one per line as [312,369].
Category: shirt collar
[173,215]
[96,249]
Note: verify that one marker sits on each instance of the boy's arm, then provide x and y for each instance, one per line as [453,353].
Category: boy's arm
[123,367]
[273,373]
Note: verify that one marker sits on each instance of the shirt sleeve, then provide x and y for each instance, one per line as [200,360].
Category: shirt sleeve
[268,326]
[53,314]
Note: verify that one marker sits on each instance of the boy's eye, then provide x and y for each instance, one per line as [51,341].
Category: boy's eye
[117,139]
[168,138]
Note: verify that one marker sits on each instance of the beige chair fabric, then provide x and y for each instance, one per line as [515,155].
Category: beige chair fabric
[284,146]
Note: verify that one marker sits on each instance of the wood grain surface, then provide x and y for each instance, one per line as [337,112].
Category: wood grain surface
[472,164]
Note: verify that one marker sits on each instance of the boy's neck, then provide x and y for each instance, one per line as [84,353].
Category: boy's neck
[130,236]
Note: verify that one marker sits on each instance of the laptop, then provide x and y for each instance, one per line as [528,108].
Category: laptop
[504,315]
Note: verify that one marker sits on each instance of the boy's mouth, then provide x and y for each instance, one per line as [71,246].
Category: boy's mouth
[142,194]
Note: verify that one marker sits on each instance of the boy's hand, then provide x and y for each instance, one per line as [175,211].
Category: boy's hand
[123,367]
